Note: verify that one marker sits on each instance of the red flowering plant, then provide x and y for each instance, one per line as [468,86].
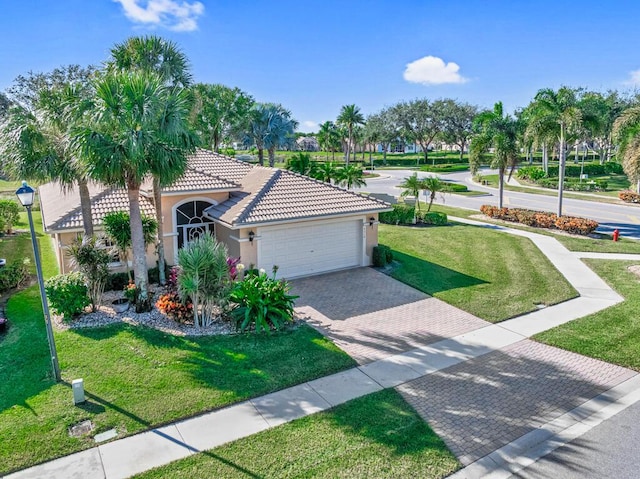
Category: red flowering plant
[171,304]
[234,270]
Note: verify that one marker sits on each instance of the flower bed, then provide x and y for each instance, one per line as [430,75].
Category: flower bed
[629,197]
[541,219]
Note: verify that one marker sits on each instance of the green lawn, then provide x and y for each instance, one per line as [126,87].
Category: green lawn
[492,275]
[376,436]
[613,334]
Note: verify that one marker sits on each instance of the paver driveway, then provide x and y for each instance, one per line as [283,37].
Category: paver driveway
[372,316]
[485,403]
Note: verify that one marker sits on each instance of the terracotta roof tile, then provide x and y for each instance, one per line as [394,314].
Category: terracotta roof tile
[197,180]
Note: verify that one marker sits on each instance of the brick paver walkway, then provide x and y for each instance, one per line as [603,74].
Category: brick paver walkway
[372,316]
[485,403]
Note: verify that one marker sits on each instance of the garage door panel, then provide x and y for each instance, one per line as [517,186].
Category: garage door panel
[312,249]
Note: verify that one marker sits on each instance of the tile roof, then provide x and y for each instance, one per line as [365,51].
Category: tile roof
[271,195]
[218,165]
[61,208]
[197,180]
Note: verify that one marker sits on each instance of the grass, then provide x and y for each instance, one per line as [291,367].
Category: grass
[374,436]
[613,334]
[489,274]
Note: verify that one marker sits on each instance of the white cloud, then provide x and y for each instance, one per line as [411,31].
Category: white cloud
[634,79]
[431,70]
[309,126]
[175,15]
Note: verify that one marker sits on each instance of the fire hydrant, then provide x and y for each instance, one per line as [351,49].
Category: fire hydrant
[616,234]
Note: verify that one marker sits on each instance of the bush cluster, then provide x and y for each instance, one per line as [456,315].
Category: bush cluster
[9,215]
[172,305]
[13,275]
[435,218]
[119,281]
[68,294]
[629,197]
[541,219]
[401,214]
[381,256]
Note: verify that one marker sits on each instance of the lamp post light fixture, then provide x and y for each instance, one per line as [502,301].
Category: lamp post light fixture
[26,195]
[251,236]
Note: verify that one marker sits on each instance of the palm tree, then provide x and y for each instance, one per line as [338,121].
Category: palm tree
[412,186]
[561,110]
[36,137]
[433,185]
[302,164]
[139,127]
[325,172]
[350,176]
[326,136]
[269,126]
[349,117]
[165,59]
[626,132]
[500,131]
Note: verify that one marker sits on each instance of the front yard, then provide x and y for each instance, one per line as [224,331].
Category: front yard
[492,275]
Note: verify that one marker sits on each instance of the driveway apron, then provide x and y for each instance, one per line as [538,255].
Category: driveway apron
[372,316]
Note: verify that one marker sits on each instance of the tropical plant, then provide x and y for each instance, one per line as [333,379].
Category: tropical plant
[204,278]
[269,127]
[495,130]
[37,134]
[155,55]
[91,258]
[118,230]
[262,303]
[325,172]
[349,117]
[14,275]
[67,294]
[349,176]
[301,163]
[412,186]
[139,128]
[626,132]
[433,185]
[329,138]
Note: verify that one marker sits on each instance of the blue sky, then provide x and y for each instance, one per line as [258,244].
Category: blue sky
[315,56]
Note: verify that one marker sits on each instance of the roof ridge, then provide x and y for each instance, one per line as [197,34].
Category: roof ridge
[215,153]
[276,173]
[217,177]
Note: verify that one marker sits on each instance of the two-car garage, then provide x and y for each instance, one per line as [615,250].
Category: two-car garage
[311,247]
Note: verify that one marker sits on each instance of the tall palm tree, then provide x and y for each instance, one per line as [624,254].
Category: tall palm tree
[165,59]
[560,109]
[139,127]
[433,185]
[626,132]
[269,126]
[500,131]
[36,137]
[326,136]
[412,186]
[349,117]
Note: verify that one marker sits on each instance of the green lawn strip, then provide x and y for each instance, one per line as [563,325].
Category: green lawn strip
[613,334]
[492,275]
[135,378]
[378,435]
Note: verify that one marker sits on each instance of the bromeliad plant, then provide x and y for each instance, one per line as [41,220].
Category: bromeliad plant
[263,303]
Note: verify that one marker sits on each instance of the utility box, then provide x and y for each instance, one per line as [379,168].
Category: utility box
[77,385]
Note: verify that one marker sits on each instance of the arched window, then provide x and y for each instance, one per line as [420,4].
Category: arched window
[191,222]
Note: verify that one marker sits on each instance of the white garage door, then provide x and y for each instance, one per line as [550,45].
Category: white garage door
[301,250]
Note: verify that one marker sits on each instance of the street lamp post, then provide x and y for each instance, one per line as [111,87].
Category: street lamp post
[26,194]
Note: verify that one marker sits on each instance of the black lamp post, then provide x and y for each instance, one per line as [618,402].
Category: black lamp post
[26,194]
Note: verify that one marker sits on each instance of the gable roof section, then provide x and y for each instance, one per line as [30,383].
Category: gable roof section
[195,180]
[215,164]
[271,195]
[61,209]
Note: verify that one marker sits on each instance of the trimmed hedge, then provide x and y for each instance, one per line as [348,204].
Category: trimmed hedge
[382,256]
[455,187]
[629,197]
[541,219]
[435,218]
[401,214]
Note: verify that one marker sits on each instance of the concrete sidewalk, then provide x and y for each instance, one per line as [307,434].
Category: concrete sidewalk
[134,454]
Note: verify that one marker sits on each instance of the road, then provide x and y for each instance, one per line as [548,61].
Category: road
[609,450]
[610,216]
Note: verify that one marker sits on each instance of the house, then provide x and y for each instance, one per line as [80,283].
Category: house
[308,143]
[265,216]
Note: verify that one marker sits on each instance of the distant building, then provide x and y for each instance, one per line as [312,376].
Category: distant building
[308,143]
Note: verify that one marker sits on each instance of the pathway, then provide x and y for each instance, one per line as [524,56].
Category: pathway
[499,400]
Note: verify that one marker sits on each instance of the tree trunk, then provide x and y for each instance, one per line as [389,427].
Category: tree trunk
[462,145]
[500,186]
[216,142]
[561,170]
[545,158]
[348,148]
[261,156]
[140,273]
[157,199]
[272,156]
[85,207]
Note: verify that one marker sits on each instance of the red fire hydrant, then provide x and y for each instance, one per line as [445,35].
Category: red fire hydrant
[616,234]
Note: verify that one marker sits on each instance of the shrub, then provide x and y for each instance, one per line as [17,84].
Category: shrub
[401,214]
[612,167]
[531,173]
[68,294]
[629,196]
[381,256]
[263,303]
[117,281]
[571,224]
[9,214]
[92,260]
[541,219]
[435,218]
[172,305]
[455,187]
[14,275]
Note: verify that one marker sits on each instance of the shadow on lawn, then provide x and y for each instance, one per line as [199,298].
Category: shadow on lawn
[429,277]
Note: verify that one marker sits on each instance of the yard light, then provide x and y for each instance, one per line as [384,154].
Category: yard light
[251,236]
[25,195]
[371,221]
